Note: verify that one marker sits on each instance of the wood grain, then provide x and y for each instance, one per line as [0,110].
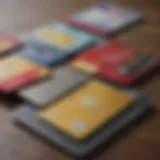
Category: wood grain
[141,143]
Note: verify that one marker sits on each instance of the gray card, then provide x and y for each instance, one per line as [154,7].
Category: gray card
[63,79]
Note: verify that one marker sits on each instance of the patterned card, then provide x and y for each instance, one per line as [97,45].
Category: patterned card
[84,111]
[8,43]
[109,54]
[16,72]
[105,18]
[63,37]
[41,55]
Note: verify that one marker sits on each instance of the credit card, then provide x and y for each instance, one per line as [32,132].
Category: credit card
[63,37]
[115,62]
[62,80]
[105,18]
[28,117]
[41,55]
[16,72]
[84,111]
[110,54]
[8,43]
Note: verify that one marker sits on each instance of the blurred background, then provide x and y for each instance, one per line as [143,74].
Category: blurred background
[21,16]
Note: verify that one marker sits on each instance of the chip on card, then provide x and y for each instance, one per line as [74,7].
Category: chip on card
[105,18]
[16,72]
[63,79]
[63,37]
[8,43]
[84,111]
[116,62]
[44,56]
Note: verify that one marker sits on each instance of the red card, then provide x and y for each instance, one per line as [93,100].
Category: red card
[110,54]
[16,72]
[105,61]
[19,81]
[112,73]
[8,43]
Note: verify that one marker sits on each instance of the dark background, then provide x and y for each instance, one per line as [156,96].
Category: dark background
[141,143]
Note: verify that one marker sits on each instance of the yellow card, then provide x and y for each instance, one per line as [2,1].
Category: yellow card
[84,111]
[13,66]
[54,36]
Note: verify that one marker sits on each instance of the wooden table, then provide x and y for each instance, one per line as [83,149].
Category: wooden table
[143,142]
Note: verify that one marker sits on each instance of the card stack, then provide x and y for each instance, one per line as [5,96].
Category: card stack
[76,86]
[85,118]
[105,18]
[51,44]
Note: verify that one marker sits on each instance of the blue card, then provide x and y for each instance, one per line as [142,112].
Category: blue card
[41,55]
[63,37]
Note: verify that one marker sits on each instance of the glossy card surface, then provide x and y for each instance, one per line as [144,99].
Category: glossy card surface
[105,18]
[8,43]
[16,72]
[28,117]
[40,54]
[84,111]
[62,80]
[63,37]
[116,62]
[111,54]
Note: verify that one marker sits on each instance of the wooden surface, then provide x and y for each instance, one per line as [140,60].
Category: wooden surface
[141,143]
